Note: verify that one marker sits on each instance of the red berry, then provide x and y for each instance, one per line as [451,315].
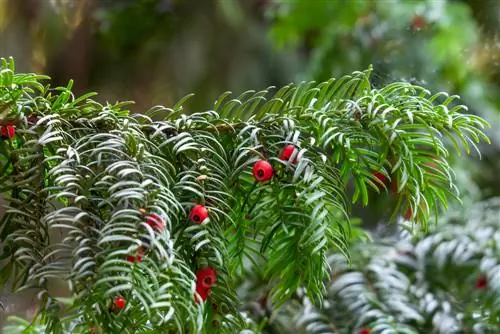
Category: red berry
[365,331]
[132,259]
[138,257]
[8,131]
[418,22]
[408,213]
[262,171]
[198,214]
[206,277]
[203,293]
[381,177]
[155,221]
[11,130]
[287,153]
[120,303]
[481,282]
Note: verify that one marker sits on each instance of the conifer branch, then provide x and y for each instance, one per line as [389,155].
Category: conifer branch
[143,204]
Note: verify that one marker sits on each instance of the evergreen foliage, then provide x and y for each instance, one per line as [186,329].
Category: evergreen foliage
[82,180]
[444,281]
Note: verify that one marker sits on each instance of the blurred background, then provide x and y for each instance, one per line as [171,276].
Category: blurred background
[156,51]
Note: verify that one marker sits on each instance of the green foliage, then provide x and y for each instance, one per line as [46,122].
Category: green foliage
[79,173]
[444,281]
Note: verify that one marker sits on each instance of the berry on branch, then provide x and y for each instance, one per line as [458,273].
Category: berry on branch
[287,153]
[155,221]
[408,213]
[365,331]
[418,22]
[206,277]
[198,214]
[8,131]
[262,171]
[138,257]
[381,177]
[120,303]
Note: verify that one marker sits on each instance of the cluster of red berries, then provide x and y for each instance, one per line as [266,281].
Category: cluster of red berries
[7,131]
[205,280]
[262,169]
